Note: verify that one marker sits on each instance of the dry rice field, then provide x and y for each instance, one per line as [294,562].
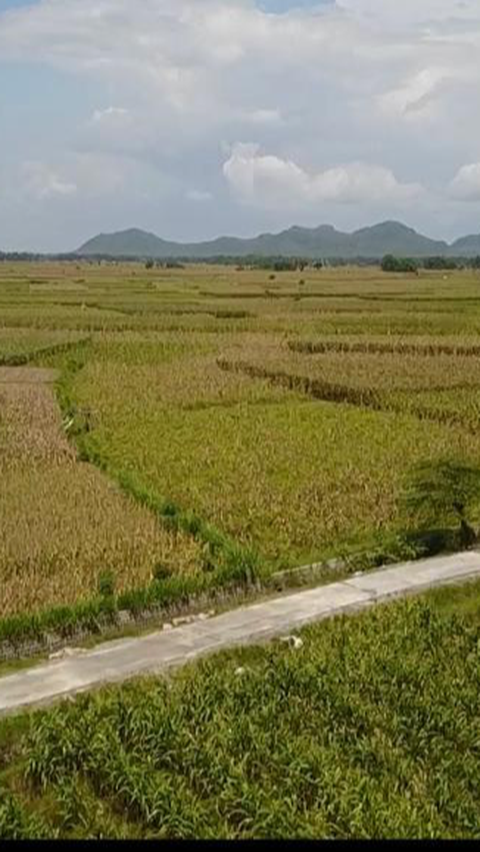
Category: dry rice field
[62,522]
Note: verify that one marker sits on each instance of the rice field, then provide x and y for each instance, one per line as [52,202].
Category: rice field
[20,345]
[64,524]
[275,415]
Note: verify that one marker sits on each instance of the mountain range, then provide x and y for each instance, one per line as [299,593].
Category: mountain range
[322,242]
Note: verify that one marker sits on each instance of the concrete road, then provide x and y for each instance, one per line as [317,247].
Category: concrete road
[120,660]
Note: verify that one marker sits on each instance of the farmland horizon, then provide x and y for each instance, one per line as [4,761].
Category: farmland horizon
[239,392]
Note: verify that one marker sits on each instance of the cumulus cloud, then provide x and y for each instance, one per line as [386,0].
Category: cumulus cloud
[466,183]
[268,180]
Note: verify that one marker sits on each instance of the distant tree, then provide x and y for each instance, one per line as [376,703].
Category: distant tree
[443,491]
[476,262]
[149,264]
[318,264]
[440,263]
[285,264]
[390,263]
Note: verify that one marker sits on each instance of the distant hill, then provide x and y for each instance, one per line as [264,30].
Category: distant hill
[466,246]
[373,242]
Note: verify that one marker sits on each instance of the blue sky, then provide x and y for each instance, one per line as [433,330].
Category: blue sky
[198,118]
[15,4]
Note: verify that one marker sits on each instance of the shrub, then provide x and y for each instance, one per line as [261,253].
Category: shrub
[106,584]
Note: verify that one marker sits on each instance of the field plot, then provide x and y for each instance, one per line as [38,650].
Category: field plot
[62,522]
[291,476]
[369,731]
[279,413]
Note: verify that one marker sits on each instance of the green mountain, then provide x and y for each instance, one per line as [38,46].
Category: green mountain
[373,242]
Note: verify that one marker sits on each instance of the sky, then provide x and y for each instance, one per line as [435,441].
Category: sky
[195,118]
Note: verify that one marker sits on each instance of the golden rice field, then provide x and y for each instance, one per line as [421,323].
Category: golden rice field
[62,522]
[283,413]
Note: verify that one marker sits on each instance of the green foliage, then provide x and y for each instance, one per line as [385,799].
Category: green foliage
[161,571]
[106,584]
[17,824]
[62,620]
[440,263]
[390,263]
[369,731]
[443,490]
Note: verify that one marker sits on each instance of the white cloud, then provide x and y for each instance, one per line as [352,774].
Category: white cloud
[115,114]
[466,183]
[356,102]
[268,180]
[86,176]
[415,97]
[42,181]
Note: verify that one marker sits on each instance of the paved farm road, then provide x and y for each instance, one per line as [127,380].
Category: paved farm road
[120,660]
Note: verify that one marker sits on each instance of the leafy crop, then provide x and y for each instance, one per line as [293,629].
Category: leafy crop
[370,731]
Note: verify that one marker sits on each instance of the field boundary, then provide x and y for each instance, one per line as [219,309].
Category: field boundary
[25,358]
[377,348]
[344,394]
[27,636]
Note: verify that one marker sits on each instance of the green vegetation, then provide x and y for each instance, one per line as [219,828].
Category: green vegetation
[369,731]
[444,489]
[399,264]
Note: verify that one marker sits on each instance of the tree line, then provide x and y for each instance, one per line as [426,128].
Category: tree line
[390,263]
